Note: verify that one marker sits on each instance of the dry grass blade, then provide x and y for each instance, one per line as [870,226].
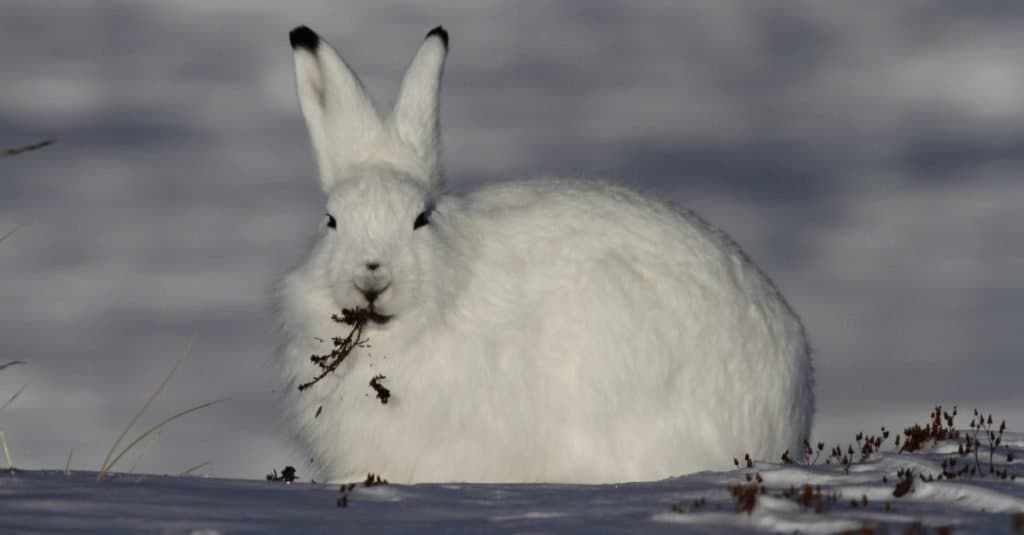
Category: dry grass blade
[188,471]
[12,398]
[7,452]
[143,452]
[11,363]
[10,233]
[105,467]
[152,430]
[25,148]
[67,465]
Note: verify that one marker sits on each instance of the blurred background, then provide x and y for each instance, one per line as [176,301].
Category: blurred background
[868,155]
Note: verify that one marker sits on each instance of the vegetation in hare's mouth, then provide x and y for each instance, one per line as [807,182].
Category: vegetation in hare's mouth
[356,319]
[343,345]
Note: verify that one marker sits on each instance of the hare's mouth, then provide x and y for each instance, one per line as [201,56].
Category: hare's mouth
[377,317]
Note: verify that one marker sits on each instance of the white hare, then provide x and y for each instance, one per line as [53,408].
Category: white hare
[551,330]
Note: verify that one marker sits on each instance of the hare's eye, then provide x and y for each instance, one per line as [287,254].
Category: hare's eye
[422,219]
[331,222]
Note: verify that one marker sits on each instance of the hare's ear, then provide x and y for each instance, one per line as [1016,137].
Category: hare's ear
[415,117]
[340,116]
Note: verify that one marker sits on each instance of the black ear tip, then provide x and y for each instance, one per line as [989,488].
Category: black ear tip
[303,37]
[440,32]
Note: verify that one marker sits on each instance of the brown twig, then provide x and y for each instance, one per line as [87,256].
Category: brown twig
[343,346]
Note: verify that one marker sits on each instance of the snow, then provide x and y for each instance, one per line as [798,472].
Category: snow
[49,501]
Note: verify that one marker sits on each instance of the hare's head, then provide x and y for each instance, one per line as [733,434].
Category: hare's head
[381,176]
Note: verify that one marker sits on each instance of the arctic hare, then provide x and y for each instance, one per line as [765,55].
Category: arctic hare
[552,330]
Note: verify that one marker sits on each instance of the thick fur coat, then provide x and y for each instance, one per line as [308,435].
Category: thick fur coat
[551,330]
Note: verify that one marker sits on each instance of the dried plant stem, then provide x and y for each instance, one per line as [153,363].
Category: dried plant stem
[143,452]
[977,462]
[3,437]
[10,233]
[188,471]
[14,397]
[7,452]
[152,430]
[25,148]
[105,467]
[67,465]
[13,362]
[357,319]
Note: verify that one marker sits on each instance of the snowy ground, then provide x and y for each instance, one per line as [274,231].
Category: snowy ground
[49,501]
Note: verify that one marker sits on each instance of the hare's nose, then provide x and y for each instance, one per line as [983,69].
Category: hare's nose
[372,266]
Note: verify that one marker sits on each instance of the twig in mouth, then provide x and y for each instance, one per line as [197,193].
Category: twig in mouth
[343,346]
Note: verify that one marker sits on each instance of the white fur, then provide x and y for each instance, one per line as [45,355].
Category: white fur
[551,330]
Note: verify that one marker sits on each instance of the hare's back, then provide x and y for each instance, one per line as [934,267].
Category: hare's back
[560,222]
[607,253]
